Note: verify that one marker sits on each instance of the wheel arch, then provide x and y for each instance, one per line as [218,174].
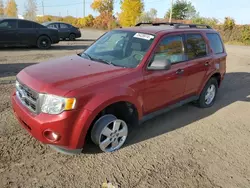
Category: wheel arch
[86,129]
[44,35]
[215,75]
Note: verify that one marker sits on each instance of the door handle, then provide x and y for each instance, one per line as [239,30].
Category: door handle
[207,64]
[179,71]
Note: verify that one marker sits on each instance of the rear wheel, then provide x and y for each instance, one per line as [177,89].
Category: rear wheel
[109,133]
[72,37]
[208,94]
[43,42]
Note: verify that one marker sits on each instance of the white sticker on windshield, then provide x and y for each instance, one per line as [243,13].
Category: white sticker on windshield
[144,36]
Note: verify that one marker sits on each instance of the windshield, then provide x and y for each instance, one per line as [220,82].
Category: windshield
[120,48]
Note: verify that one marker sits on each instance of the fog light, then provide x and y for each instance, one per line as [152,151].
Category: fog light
[51,136]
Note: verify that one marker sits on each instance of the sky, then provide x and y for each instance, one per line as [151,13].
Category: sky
[239,10]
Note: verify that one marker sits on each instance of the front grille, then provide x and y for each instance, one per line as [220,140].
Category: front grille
[28,97]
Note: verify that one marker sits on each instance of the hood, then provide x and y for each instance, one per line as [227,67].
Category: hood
[61,76]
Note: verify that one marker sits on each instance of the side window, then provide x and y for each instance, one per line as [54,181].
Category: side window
[172,48]
[8,24]
[38,25]
[56,26]
[25,24]
[64,26]
[215,42]
[196,46]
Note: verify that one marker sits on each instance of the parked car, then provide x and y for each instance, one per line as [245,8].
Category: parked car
[66,31]
[127,76]
[19,32]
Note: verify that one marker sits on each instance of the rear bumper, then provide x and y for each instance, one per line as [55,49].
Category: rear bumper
[72,126]
[78,35]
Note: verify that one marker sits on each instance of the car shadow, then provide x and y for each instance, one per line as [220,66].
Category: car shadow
[234,88]
[71,45]
[7,70]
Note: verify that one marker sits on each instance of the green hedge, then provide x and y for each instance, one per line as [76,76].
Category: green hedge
[239,34]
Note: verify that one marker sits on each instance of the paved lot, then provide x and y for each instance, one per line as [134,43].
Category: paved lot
[187,147]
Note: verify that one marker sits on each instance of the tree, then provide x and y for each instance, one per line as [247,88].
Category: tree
[31,9]
[202,20]
[11,9]
[182,10]
[149,16]
[229,23]
[131,10]
[1,8]
[103,6]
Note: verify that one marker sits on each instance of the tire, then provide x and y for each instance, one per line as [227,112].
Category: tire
[43,42]
[109,133]
[207,100]
[72,37]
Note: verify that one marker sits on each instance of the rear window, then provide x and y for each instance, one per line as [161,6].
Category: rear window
[64,26]
[36,25]
[215,43]
[25,24]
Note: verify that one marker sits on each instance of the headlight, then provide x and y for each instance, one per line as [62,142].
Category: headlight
[17,84]
[55,105]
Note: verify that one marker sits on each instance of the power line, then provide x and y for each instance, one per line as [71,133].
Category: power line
[62,5]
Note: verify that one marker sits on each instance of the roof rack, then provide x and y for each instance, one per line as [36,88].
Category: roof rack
[175,25]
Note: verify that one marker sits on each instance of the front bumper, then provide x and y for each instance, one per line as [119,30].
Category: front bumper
[72,126]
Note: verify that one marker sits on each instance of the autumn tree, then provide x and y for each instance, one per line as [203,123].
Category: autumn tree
[11,9]
[1,8]
[105,7]
[182,10]
[31,9]
[131,10]
[102,6]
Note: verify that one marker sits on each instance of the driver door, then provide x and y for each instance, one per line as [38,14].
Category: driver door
[165,87]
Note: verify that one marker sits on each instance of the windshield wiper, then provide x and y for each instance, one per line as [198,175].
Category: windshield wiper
[104,61]
[99,60]
[87,55]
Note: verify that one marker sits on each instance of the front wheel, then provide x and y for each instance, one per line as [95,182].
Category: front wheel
[43,42]
[208,94]
[109,133]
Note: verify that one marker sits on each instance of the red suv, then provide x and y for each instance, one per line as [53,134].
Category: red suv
[124,78]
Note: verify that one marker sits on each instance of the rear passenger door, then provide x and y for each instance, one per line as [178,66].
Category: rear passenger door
[26,33]
[64,30]
[8,32]
[199,60]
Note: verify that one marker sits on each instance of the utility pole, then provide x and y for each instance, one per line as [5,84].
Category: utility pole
[171,12]
[83,8]
[43,7]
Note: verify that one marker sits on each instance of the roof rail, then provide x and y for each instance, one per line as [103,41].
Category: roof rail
[156,23]
[175,25]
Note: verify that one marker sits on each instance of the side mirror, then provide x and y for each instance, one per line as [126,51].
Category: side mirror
[160,64]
